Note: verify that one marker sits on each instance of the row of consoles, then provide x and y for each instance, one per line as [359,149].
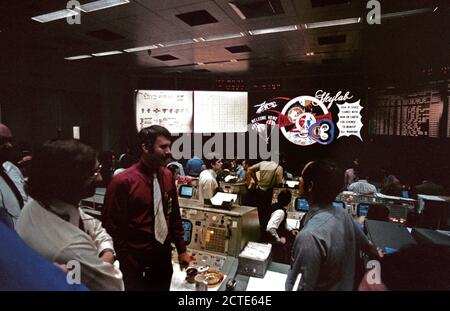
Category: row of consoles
[215,236]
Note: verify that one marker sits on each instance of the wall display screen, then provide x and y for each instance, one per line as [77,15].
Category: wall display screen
[171,109]
[220,112]
[407,113]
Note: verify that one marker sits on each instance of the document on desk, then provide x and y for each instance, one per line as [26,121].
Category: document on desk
[272,281]
[221,197]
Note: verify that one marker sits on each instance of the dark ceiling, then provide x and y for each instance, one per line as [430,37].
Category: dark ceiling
[400,43]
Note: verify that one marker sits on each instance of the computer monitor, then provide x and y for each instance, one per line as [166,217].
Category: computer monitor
[301,205]
[362,209]
[187,227]
[186,191]
[405,194]
[339,204]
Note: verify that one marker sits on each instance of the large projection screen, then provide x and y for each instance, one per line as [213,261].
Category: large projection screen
[220,112]
[171,109]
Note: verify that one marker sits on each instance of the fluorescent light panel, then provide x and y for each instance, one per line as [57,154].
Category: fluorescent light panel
[337,22]
[107,53]
[53,16]
[237,11]
[272,30]
[77,57]
[175,43]
[101,4]
[406,13]
[223,37]
[141,48]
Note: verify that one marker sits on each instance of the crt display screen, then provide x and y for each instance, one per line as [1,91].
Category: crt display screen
[187,227]
[405,194]
[186,191]
[363,209]
[301,205]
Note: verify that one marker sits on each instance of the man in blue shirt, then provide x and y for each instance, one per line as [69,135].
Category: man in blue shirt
[194,166]
[326,248]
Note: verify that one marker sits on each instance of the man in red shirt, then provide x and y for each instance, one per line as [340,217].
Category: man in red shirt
[141,213]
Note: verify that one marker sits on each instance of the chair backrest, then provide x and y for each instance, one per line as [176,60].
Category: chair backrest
[378,212]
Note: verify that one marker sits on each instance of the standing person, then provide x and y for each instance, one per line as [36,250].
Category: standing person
[279,233]
[62,173]
[351,175]
[142,214]
[325,249]
[270,175]
[362,186]
[11,192]
[207,182]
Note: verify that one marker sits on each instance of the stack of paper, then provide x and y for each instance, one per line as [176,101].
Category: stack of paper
[256,251]
[221,197]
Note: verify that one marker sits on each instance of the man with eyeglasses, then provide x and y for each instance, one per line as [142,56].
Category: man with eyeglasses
[142,214]
[12,192]
[61,174]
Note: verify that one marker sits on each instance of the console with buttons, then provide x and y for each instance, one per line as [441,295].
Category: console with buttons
[219,231]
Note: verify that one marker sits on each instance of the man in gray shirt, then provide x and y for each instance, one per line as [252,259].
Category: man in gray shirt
[325,249]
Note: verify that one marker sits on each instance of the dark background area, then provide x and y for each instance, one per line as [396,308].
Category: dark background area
[43,96]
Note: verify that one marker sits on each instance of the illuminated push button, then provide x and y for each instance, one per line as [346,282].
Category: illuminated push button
[214,218]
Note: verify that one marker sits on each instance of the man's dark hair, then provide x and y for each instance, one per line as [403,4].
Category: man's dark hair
[210,159]
[59,170]
[284,197]
[417,267]
[326,179]
[149,134]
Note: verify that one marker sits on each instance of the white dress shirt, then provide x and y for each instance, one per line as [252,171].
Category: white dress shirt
[9,202]
[362,187]
[207,184]
[55,234]
[275,220]
[17,177]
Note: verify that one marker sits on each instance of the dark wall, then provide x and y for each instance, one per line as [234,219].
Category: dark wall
[42,101]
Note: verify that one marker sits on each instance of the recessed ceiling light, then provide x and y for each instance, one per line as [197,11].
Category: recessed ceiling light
[101,4]
[435,9]
[233,60]
[45,18]
[175,43]
[405,13]
[77,57]
[107,53]
[224,37]
[141,48]
[337,22]
[272,30]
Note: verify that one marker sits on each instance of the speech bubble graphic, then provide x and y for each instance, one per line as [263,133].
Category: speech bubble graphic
[350,119]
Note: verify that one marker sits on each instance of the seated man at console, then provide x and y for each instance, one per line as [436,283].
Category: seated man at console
[207,182]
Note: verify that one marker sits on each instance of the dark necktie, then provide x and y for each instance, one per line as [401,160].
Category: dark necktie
[12,186]
[81,224]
